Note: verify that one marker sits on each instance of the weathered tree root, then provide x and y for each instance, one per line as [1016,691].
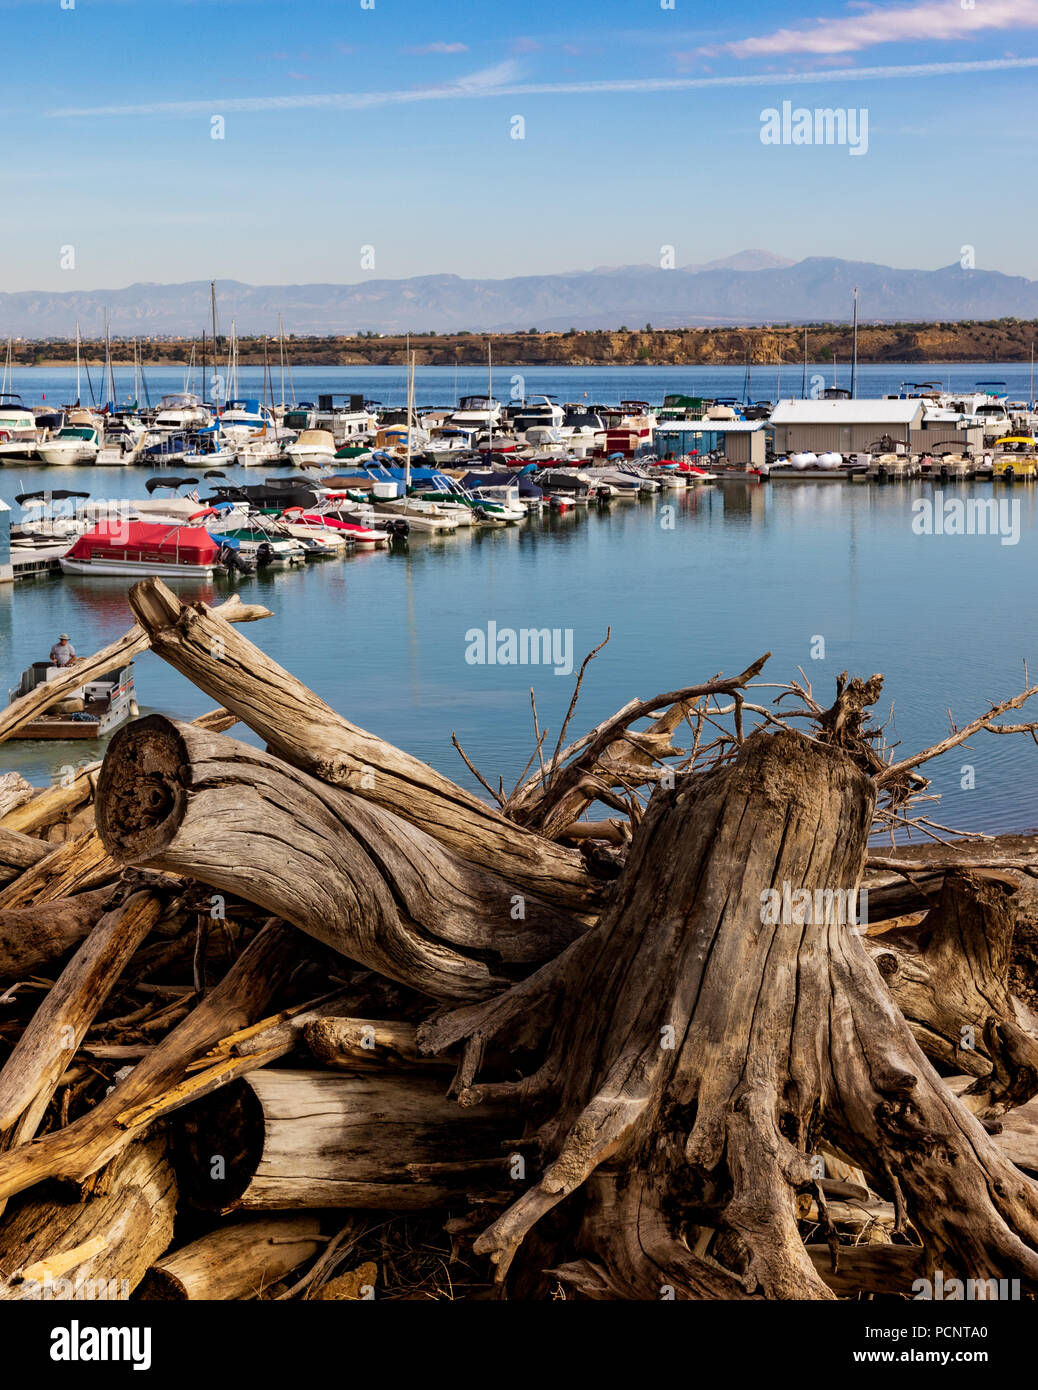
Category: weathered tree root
[713,1048]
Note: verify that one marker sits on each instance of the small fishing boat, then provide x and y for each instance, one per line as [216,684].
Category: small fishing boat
[95,709]
[125,547]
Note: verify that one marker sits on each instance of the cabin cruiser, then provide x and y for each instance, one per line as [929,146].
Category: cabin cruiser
[77,442]
[582,430]
[352,426]
[181,413]
[312,449]
[479,412]
[19,432]
[537,413]
[241,420]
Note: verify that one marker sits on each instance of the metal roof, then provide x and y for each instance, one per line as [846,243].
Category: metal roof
[711,426]
[865,412]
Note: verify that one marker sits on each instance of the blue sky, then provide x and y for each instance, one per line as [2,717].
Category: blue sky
[390,127]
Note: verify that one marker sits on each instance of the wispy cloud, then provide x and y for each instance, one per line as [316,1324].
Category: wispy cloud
[932,20]
[440,48]
[496,82]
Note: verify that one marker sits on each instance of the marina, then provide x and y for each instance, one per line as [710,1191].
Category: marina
[685,571]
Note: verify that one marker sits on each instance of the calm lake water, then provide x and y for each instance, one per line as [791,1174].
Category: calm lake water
[744,569]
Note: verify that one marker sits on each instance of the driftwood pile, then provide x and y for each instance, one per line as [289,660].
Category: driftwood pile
[317,1022]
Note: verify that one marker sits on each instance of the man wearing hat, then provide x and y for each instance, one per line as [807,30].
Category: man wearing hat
[63,653]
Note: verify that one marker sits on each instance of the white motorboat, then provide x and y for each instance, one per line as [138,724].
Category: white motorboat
[313,449]
[19,433]
[180,413]
[73,444]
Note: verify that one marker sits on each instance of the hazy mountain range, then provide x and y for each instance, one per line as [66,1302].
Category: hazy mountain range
[752,287]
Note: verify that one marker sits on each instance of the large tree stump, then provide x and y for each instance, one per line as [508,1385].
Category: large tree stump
[693,1051]
[950,975]
[349,873]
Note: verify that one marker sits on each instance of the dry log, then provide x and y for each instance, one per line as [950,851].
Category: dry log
[53,803]
[696,1043]
[14,791]
[108,1238]
[884,1269]
[96,1137]
[73,867]
[31,937]
[362,1042]
[349,873]
[109,658]
[304,1140]
[31,1074]
[950,976]
[18,853]
[303,730]
[237,1261]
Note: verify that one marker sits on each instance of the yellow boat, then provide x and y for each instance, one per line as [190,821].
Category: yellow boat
[1016,457]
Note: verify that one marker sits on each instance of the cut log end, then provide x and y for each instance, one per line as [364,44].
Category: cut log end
[141,797]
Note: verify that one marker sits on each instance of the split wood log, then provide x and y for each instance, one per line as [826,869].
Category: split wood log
[109,658]
[14,791]
[31,1074]
[18,853]
[353,1043]
[237,1261]
[950,976]
[304,731]
[73,867]
[883,1269]
[96,1137]
[694,1046]
[307,1140]
[108,1238]
[31,937]
[347,872]
[53,803]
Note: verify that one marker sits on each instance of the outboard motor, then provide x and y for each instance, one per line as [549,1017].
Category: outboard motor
[264,554]
[232,560]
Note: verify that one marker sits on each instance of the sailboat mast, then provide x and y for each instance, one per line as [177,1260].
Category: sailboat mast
[78,397]
[490,398]
[410,412]
[281,343]
[216,369]
[854,359]
[803,388]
